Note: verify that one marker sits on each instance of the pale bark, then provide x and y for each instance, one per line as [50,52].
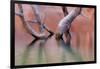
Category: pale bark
[63,26]
[36,10]
[65,23]
[67,33]
[28,27]
[43,26]
[38,20]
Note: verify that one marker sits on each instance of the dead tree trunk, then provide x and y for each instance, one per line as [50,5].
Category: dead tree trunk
[38,20]
[27,26]
[43,26]
[67,33]
[65,23]
[36,10]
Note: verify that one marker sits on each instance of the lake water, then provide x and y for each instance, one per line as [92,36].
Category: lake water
[50,51]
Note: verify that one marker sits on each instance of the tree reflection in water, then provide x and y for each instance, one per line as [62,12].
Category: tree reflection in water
[68,53]
[40,50]
[37,53]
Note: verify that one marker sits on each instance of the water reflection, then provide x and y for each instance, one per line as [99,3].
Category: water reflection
[40,52]
[27,51]
[68,53]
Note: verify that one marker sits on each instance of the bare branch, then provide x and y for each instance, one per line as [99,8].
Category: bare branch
[28,27]
[65,23]
[67,33]
[36,10]
[39,20]
[64,9]
[47,29]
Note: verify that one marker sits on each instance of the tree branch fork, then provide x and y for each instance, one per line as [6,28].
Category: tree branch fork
[63,25]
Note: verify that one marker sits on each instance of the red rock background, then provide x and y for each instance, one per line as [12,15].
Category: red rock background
[82,30]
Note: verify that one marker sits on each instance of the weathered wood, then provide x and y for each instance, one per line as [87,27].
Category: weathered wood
[67,33]
[43,26]
[65,23]
[28,27]
[36,10]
